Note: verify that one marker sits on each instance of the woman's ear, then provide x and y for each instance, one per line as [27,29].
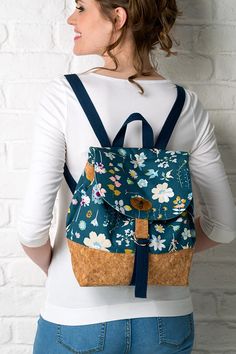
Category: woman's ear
[120,17]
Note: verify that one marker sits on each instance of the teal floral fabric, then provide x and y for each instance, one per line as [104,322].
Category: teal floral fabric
[102,213]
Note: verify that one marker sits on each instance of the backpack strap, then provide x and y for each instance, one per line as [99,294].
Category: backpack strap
[171,120]
[93,118]
[89,109]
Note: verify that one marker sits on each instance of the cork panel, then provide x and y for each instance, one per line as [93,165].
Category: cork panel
[89,171]
[141,228]
[93,267]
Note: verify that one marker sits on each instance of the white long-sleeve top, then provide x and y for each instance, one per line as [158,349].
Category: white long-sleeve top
[62,134]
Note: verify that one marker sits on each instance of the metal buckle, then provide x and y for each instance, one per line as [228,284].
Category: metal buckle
[136,241]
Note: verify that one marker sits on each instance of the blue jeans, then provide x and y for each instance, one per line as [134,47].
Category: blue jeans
[147,335]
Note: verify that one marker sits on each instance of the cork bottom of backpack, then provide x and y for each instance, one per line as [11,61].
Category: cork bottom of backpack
[93,267]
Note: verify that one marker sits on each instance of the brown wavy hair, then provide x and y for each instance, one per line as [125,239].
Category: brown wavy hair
[150,22]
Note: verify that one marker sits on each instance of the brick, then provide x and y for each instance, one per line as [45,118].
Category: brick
[215,39]
[224,10]
[16,126]
[31,36]
[9,244]
[3,33]
[226,305]
[2,156]
[31,66]
[200,10]
[225,126]
[2,279]
[44,10]
[16,349]
[21,301]
[184,35]
[215,96]
[5,331]
[19,154]
[24,272]
[213,275]
[4,212]
[13,184]
[182,66]
[225,68]
[24,330]
[215,335]
[205,302]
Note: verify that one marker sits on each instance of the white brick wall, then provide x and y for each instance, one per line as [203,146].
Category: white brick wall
[36,45]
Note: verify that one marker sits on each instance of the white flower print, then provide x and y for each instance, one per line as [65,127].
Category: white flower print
[186,233]
[74,201]
[85,200]
[139,160]
[157,243]
[162,193]
[99,168]
[142,183]
[97,241]
[82,225]
[120,206]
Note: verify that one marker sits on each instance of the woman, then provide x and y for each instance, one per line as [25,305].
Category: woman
[110,320]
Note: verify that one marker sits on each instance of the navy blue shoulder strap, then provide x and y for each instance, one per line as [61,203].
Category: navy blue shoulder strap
[89,109]
[171,120]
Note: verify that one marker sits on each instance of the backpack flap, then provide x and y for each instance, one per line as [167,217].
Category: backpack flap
[143,183]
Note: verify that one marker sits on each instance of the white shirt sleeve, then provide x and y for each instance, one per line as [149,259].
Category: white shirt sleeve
[46,167]
[210,182]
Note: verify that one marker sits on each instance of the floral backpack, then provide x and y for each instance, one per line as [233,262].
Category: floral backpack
[130,220]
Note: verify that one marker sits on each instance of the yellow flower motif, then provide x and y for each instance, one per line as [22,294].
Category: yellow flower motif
[128,251]
[133,173]
[159,228]
[160,216]
[89,213]
[180,202]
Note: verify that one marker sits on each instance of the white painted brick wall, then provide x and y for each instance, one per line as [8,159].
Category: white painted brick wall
[35,46]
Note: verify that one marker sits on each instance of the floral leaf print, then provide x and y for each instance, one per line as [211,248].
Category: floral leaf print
[115,179]
[152,173]
[127,207]
[97,241]
[110,155]
[99,168]
[157,243]
[162,193]
[142,183]
[166,176]
[116,192]
[139,160]
[122,152]
[129,181]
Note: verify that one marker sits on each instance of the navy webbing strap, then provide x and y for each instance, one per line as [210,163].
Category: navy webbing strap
[171,120]
[89,109]
[93,118]
[147,131]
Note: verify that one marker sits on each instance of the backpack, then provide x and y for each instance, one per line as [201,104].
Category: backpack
[130,220]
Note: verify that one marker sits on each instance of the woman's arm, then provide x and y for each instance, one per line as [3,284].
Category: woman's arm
[202,241]
[40,255]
